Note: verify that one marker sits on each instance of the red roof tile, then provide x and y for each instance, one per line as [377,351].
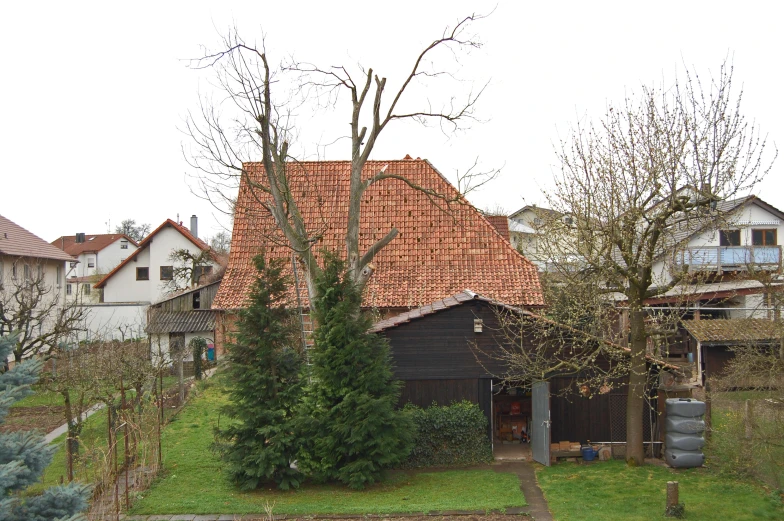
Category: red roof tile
[18,242]
[142,245]
[500,223]
[92,243]
[436,254]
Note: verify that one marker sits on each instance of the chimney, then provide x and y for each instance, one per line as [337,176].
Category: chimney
[195,226]
[79,238]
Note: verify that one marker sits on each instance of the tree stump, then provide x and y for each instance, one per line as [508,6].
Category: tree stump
[674,507]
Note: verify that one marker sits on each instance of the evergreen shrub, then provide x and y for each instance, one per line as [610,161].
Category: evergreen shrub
[449,435]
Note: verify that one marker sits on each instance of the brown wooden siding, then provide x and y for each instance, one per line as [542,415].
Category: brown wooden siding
[185,302]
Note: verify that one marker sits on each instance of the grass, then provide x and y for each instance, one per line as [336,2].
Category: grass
[40,398]
[194,483]
[612,491]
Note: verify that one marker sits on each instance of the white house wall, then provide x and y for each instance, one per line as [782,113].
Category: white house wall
[123,286]
[115,321]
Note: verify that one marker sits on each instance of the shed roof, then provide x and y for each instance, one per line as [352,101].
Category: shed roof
[437,252]
[733,331]
[16,241]
[160,322]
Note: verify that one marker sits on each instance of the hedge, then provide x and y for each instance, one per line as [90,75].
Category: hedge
[449,435]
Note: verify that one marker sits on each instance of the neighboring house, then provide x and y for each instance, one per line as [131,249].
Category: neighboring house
[97,255]
[31,271]
[439,250]
[443,353]
[713,340]
[147,275]
[525,232]
[181,317]
[747,240]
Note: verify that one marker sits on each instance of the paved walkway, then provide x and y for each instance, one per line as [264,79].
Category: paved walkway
[537,504]
[64,427]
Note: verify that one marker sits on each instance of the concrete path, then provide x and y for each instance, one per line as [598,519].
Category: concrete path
[64,427]
[537,504]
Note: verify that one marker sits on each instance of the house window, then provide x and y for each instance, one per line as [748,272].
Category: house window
[142,273]
[86,289]
[91,262]
[72,264]
[197,300]
[123,244]
[729,237]
[763,237]
[68,289]
[59,276]
[199,271]
[167,272]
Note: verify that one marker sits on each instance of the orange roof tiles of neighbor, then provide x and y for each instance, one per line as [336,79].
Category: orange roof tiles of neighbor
[92,243]
[435,255]
[18,242]
[168,222]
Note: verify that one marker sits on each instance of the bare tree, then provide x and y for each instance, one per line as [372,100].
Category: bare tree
[220,242]
[137,232]
[189,268]
[655,166]
[30,304]
[263,131]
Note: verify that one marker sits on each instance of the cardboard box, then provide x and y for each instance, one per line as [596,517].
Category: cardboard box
[565,445]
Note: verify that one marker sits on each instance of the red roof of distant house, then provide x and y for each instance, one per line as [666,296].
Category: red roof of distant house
[168,223]
[437,253]
[91,244]
[18,242]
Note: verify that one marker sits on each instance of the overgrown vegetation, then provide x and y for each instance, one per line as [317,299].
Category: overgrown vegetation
[449,435]
[260,442]
[352,432]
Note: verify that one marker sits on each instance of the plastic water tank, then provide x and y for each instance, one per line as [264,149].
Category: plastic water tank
[683,432]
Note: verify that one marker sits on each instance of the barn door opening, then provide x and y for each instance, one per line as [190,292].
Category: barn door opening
[511,420]
[540,435]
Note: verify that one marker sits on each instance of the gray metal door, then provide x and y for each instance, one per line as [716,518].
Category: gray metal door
[540,402]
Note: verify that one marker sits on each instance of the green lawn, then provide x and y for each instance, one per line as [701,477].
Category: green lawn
[40,398]
[194,482]
[612,491]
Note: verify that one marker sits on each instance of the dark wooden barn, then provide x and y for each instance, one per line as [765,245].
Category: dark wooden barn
[434,355]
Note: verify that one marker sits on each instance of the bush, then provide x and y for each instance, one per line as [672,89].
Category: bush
[449,435]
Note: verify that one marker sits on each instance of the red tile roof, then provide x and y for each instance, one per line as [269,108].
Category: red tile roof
[142,245]
[18,242]
[436,254]
[500,223]
[92,243]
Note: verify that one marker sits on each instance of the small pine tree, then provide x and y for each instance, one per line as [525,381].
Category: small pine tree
[24,455]
[259,445]
[357,433]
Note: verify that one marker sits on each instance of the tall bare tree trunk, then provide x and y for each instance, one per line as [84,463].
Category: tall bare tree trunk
[635,451]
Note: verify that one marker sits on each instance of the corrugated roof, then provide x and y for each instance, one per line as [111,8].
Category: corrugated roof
[436,254]
[734,330]
[92,243]
[147,240]
[18,242]
[160,322]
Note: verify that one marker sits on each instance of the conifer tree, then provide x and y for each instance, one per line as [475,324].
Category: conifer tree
[24,455]
[356,433]
[259,445]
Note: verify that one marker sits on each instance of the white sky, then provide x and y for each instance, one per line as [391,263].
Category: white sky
[93,94]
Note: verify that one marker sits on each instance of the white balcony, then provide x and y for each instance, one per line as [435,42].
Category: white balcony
[729,258]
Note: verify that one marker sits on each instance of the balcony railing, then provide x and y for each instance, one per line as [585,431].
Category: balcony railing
[729,258]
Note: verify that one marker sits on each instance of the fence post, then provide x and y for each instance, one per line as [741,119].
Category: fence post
[674,508]
[748,415]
